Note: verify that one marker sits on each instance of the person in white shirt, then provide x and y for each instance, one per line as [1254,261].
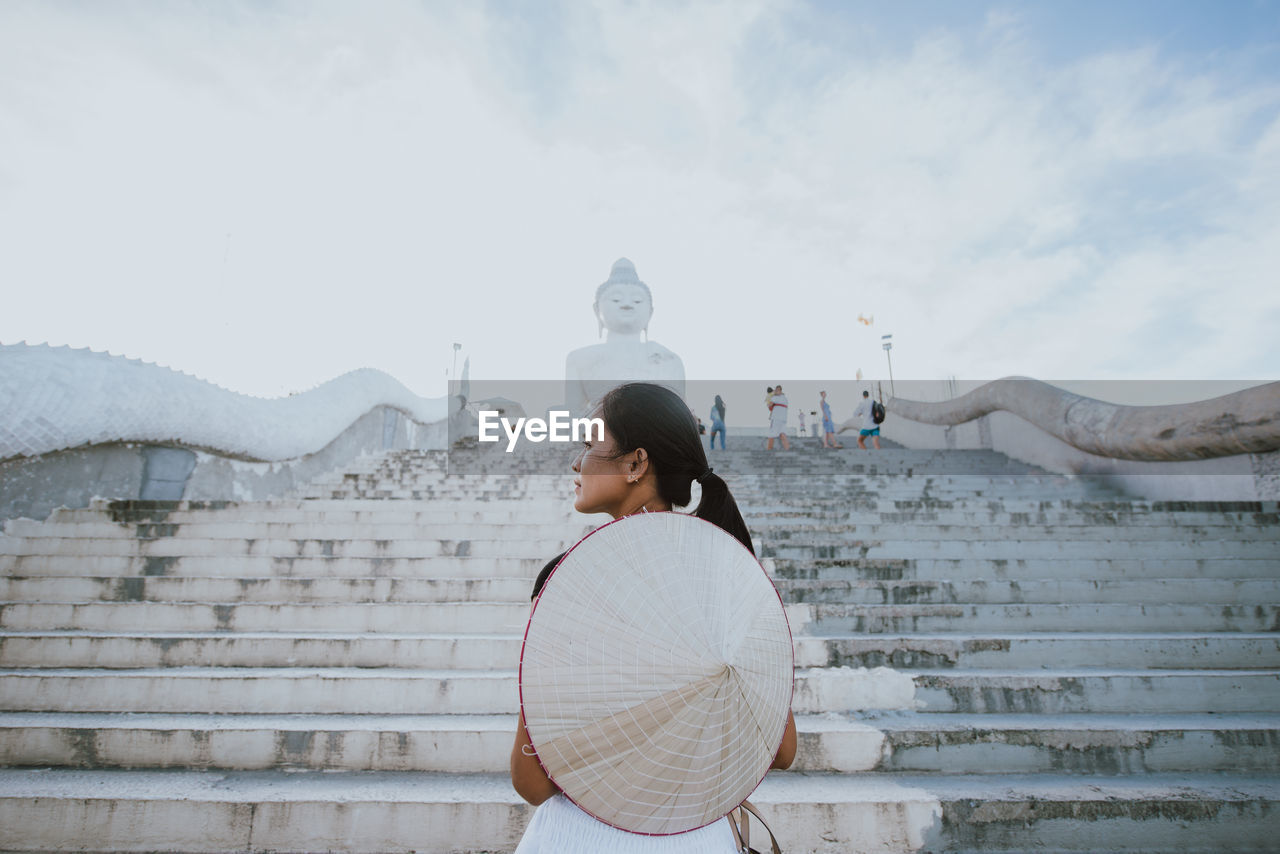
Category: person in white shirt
[869,425]
[778,419]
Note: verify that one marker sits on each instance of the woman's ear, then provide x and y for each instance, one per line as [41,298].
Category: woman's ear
[639,462]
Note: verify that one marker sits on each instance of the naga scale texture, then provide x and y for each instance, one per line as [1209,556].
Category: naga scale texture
[1243,422]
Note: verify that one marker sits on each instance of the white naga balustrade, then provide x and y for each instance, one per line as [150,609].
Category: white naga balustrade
[56,398]
[1244,422]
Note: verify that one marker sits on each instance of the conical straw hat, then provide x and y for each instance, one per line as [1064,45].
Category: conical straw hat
[656,673]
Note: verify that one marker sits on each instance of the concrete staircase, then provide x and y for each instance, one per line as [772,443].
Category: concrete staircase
[989,658]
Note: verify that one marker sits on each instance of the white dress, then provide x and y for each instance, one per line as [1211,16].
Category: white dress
[778,415]
[560,827]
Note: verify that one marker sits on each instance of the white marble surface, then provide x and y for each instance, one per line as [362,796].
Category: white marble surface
[54,398]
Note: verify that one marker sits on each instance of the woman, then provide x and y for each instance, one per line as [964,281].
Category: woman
[647,461]
[828,425]
[778,419]
[717,422]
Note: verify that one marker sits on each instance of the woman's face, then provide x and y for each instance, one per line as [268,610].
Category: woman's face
[601,485]
[625,308]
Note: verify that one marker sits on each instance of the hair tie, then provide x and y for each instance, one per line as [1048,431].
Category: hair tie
[700,478]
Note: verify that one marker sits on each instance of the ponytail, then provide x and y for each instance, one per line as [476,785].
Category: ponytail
[718,507]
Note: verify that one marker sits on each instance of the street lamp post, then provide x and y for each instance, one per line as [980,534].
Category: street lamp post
[888,345]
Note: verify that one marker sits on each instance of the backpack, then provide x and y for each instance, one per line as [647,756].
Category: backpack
[877,411]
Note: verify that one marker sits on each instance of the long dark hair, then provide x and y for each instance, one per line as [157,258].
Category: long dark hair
[720,407]
[653,417]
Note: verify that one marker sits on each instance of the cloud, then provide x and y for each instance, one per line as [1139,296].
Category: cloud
[270,195]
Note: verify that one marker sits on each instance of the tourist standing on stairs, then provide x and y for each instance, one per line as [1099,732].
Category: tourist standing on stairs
[647,461]
[869,427]
[717,422]
[828,425]
[778,419]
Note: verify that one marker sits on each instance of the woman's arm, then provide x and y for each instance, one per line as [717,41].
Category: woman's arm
[530,781]
[787,750]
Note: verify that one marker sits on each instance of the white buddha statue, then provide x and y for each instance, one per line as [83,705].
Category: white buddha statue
[623,306]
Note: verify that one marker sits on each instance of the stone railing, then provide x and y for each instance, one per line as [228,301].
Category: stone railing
[55,398]
[1245,422]
[1227,444]
[75,424]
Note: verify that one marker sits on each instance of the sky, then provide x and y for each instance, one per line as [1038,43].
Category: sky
[270,194]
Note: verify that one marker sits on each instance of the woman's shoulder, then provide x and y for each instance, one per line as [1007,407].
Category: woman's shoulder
[545,574]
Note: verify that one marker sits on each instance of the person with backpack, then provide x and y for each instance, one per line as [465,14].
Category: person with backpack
[872,413]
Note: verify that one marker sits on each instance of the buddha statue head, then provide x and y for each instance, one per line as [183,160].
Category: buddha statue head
[623,302]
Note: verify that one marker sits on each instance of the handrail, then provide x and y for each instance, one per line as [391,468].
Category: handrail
[1243,422]
[55,398]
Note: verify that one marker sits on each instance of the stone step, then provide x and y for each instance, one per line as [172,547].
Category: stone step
[801,475]
[785,490]
[442,743]
[494,546]
[1094,744]
[405,590]
[802,482]
[148,649]
[904,741]
[1038,690]
[767,516]
[271,690]
[823,507]
[219,530]
[1009,548]
[899,462]
[300,690]
[489,617]
[884,461]
[323,513]
[164,510]
[460,744]
[263,589]
[827,535]
[780,464]
[796,520]
[996,591]
[475,651]
[795,490]
[806,507]
[1015,549]
[962,569]
[1164,651]
[1047,617]
[195,811]
[449,566]
[481,617]
[486,509]
[789,521]
[835,500]
[1104,691]
[449,494]
[259,566]
[769,530]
